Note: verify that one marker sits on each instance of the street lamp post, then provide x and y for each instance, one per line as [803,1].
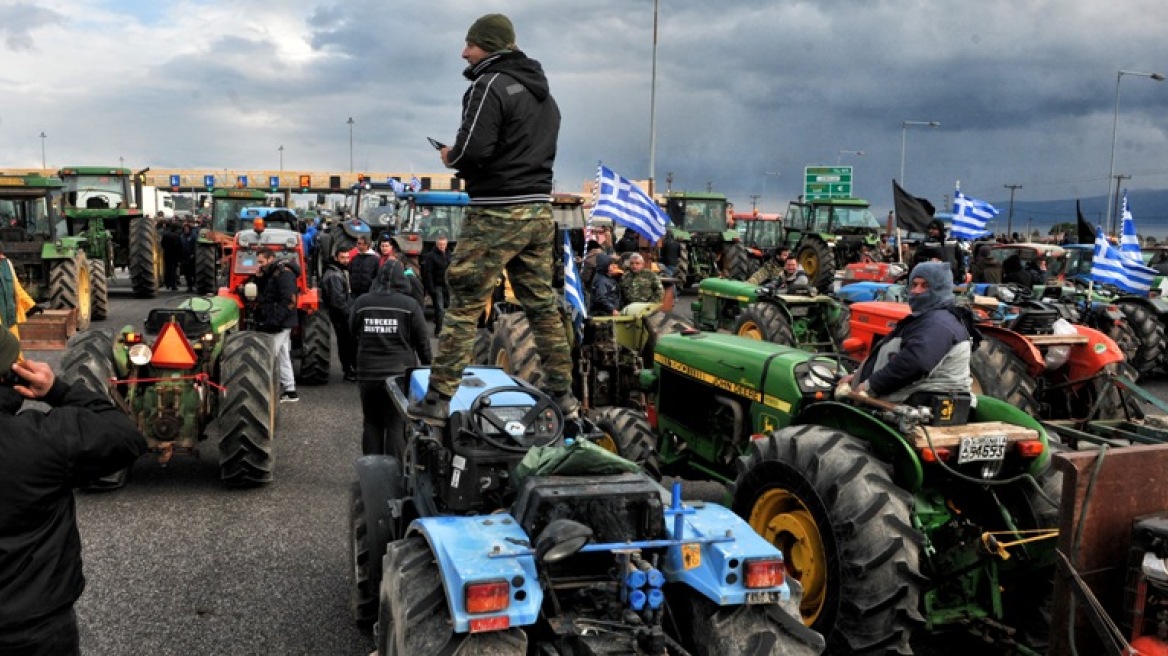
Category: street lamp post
[1114,128]
[904,125]
[43,136]
[857,153]
[653,110]
[281,149]
[351,121]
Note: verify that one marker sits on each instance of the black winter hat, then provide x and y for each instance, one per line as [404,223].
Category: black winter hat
[492,32]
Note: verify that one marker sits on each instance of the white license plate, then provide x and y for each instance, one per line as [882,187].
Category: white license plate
[754,598]
[990,447]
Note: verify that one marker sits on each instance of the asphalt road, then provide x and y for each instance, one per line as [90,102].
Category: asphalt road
[178,564]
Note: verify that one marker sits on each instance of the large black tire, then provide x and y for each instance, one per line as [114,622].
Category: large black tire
[145,257]
[817,261]
[98,291]
[842,328]
[1113,403]
[482,347]
[70,287]
[414,617]
[1150,354]
[846,531]
[247,415]
[997,372]
[660,324]
[513,348]
[89,364]
[1028,598]
[206,269]
[707,629]
[735,261]
[765,322]
[682,272]
[1129,343]
[628,433]
[316,349]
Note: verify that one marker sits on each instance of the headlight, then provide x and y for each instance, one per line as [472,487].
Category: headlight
[140,354]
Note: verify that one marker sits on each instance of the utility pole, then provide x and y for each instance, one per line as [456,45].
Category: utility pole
[754,203]
[709,186]
[1010,216]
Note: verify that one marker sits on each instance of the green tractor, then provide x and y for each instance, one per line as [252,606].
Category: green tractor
[936,512]
[52,265]
[100,208]
[800,318]
[830,234]
[190,365]
[217,241]
[710,247]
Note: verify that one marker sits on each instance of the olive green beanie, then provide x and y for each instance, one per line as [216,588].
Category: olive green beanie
[9,350]
[492,33]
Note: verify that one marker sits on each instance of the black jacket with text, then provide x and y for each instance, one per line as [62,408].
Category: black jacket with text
[390,329]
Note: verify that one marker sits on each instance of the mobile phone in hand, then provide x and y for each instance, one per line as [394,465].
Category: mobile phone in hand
[438,145]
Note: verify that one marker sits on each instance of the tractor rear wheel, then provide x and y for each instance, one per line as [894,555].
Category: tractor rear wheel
[997,372]
[206,276]
[628,434]
[1114,404]
[660,324]
[414,617]
[145,257]
[513,348]
[682,272]
[817,261]
[765,322]
[1124,336]
[89,363]
[98,290]
[735,261]
[482,347]
[69,287]
[315,349]
[829,504]
[247,415]
[707,629]
[1150,353]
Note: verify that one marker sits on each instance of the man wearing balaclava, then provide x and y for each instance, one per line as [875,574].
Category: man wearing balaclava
[929,350]
[504,151]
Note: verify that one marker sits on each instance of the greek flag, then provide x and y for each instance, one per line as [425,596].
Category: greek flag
[573,291]
[1111,266]
[397,185]
[1129,242]
[415,183]
[625,203]
[970,216]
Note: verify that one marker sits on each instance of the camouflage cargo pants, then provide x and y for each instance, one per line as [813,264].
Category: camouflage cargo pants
[518,239]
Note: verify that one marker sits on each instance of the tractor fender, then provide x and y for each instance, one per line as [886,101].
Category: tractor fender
[483,548]
[681,235]
[1022,347]
[308,300]
[888,444]
[64,248]
[731,235]
[380,480]
[1088,359]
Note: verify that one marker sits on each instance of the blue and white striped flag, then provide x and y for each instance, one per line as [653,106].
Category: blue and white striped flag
[573,290]
[622,201]
[1111,266]
[1129,242]
[970,217]
[415,183]
[397,185]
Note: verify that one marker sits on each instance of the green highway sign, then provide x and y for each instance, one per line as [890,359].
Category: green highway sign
[824,182]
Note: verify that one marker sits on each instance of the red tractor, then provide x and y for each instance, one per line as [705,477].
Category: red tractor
[311,340]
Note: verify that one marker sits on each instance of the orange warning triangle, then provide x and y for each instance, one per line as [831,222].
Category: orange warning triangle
[172,350]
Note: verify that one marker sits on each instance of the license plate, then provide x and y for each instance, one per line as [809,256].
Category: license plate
[763,597]
[990,447]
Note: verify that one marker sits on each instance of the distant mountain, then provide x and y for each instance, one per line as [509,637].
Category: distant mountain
[1149,209]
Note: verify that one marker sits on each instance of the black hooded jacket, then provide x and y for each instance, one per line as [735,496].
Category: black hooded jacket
[606,293]
[389,327]
[43,456]
[506,145]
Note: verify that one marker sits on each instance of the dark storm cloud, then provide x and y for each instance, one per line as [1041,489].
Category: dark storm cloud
[18,21]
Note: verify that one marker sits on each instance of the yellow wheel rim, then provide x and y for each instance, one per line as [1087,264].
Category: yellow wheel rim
[750,330]
[810,263]
[84,296]
[784,521]
[503,361]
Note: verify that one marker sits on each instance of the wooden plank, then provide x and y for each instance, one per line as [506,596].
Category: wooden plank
[1057,340]
[950,436]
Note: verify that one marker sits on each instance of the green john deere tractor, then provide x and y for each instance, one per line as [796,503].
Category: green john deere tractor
[190,365]
[100,208]
[800,317]
[710,247]
[830,234]
[51,264]
[892,516]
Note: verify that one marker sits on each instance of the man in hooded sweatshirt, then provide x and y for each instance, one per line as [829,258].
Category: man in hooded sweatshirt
[505,151]
[43,456]
[605,297]
[929,350]
[937,241]
[391,334]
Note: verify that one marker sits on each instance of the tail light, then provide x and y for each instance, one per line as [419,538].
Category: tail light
[487,597]
[484,624]
[934,455]
[1029,448]
[764,572]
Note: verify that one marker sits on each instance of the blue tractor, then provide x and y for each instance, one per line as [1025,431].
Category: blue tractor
[510,531]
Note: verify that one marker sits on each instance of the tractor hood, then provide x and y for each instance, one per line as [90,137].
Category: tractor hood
[738,365]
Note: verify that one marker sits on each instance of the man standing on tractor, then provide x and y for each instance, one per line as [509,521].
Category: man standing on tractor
[504,150]
[276,285]
[641,285]
[929,350]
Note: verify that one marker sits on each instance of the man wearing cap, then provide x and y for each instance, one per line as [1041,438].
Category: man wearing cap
[43,456]
[504,150]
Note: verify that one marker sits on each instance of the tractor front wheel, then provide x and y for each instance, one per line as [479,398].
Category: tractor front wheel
[818,262]
[98,290]
[145,257]
[69,287]
[89,363]
[628,434]
[206,274]
[735,261]
[765,322]
[682,272]
[247,416]
[513,348]
[845,529]
[315,349]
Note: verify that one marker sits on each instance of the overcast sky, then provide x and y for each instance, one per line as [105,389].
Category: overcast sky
[1024,91]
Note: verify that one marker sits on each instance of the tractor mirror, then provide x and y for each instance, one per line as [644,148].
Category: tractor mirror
[560,539]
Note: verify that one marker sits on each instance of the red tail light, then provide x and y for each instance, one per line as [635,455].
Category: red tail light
[484,624]
[1029,448]
[487,597]
[764,573]
[933,455]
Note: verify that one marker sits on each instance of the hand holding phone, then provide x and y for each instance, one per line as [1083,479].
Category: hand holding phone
[438,145]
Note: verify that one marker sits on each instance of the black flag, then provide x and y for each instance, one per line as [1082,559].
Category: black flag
[912,214]
[1086,232]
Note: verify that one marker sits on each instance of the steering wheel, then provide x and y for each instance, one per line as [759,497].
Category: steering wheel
[541,425]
